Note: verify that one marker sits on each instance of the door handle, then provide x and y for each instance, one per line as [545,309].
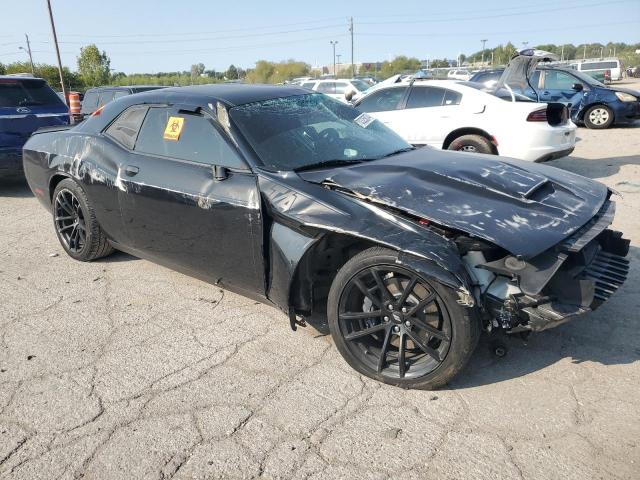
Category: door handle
[131,170]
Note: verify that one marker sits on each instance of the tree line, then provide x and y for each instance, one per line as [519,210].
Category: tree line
[94,67]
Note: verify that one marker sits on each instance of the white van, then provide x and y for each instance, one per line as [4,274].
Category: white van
[612,64]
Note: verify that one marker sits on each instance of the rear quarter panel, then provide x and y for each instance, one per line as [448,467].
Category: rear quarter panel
[86,158]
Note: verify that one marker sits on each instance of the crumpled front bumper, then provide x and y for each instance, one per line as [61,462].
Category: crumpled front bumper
[572,279]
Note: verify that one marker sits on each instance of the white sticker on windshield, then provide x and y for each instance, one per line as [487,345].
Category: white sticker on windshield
[364,120]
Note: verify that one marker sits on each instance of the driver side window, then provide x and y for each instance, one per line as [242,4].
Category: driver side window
[198,140]
[382,101]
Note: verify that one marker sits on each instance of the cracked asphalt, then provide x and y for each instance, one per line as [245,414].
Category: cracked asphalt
[124,369]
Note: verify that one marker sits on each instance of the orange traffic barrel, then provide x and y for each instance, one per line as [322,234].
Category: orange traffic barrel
[74,103]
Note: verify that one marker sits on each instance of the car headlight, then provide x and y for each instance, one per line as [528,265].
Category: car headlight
[625,97]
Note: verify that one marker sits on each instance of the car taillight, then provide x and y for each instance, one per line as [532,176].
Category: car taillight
[538,116]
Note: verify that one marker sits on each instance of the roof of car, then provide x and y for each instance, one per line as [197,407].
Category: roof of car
[231,94]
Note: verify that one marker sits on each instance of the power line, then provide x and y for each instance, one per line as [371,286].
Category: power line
[501,15]
[182,34]
[493,32]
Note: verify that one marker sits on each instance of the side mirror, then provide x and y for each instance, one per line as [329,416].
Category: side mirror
[349,94]
[220,173]
[578,87]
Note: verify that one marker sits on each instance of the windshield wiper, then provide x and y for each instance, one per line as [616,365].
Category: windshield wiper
[325,164]
[396,152]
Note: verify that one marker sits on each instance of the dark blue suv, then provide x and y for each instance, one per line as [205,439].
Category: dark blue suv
[26,104]
[593,103]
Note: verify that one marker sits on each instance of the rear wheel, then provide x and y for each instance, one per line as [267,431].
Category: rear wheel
[471,143]
[75,222]
[598,117]
[393,325]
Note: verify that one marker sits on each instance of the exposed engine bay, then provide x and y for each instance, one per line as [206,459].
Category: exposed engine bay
[570,279]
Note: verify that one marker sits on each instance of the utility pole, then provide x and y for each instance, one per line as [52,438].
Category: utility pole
[584,52]
[333,44]
[338,55]
[484,41]
[28,50]
[562,54]
[601,51]
[353,68]
[55,41]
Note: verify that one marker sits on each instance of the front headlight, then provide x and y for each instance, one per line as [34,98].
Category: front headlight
[625,97]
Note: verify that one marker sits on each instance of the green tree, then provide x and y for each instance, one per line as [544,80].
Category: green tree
[93,66]
[197,69]
[3,69]
[400,64]
[232,72]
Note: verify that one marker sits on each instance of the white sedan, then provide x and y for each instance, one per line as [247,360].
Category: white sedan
[460,116]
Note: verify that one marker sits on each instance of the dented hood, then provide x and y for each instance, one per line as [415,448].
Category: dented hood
[523,207]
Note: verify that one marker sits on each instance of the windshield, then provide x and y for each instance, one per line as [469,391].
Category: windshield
[27,93]
[300,131]
[360,85]
[588,79]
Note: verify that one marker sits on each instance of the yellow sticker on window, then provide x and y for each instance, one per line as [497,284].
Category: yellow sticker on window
[173,129]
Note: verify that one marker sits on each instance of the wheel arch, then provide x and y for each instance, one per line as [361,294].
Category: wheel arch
[599,103]
[459,132]
[299,281]
[55,179]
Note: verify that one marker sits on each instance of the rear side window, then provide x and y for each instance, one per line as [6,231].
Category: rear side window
[120,93]
[105,97]
[383,100]
[451,98]
[198,141]
[308,85]
[327,87]
[27,93]
[90,102]
[126,127]
[340,87]
[421,97]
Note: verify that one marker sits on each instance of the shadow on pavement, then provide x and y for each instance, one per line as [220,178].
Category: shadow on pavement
[14,187]
[595,168]
[608,336]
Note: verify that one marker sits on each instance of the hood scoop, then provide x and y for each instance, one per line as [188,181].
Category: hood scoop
[524,208]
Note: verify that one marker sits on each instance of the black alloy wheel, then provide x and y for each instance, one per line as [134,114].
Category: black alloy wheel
[76,225]
[70,221]
[394,322]
[395,325]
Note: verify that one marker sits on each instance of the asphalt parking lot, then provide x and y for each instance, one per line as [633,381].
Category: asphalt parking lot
[124,369]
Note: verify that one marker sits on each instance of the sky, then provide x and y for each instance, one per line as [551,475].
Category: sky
[145,36]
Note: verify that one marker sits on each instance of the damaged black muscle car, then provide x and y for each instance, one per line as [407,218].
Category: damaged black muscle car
[297,200]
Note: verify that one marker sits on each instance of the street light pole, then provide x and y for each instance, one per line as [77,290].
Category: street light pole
[28,50]
[55,41]
[333,44]
[484,41]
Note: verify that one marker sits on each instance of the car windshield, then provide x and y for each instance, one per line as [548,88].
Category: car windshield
[588,79]
[27,93]
[310,130]
[360,85]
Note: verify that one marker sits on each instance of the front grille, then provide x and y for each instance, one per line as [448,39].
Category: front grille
[609,271]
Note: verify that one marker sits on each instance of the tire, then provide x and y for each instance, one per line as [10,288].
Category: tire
[375,346]
[75,223]
[471,143]
[598,117]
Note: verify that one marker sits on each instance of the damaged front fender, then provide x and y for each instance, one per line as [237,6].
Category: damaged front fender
[303,213]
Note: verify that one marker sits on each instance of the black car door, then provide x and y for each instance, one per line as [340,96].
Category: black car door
[181,209]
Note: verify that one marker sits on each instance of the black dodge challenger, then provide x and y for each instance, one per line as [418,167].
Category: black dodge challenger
[294,199]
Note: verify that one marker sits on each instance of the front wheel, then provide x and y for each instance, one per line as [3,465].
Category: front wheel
[598,117]
[393,325]
[471,143]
